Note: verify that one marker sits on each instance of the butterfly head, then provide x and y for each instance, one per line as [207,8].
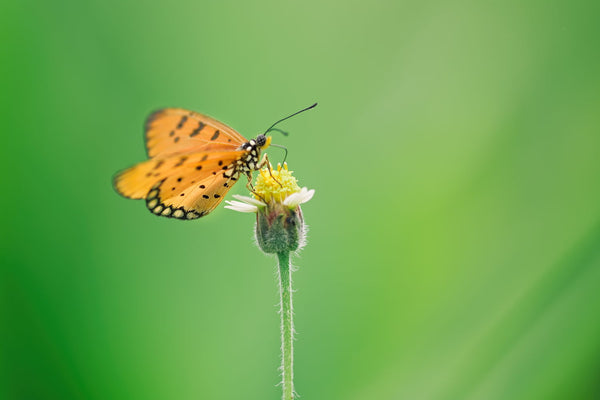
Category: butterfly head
[263,141]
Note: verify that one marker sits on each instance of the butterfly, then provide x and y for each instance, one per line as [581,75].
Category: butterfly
[194,160]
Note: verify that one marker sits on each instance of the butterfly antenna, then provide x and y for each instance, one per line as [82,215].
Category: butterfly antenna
[284,133]
[290,116]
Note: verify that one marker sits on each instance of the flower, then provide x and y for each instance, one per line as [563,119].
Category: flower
[277,198]
[268,189]
[275,184]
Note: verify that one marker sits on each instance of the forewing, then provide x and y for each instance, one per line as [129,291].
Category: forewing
[177,131]
[183,186]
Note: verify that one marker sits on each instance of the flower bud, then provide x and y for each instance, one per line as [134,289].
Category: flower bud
[279,228]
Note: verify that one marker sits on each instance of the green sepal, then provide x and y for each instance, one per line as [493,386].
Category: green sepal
[278,228]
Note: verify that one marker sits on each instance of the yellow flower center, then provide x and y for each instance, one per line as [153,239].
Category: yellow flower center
[274,185]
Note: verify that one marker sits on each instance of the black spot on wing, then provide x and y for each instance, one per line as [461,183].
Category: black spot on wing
[196,131]
[182,122]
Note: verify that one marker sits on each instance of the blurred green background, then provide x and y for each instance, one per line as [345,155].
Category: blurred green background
[454,249]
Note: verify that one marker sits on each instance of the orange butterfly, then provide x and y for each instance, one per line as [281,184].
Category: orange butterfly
[194,161]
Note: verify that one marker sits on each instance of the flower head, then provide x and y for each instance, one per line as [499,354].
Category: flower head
[277,198]
[275,184]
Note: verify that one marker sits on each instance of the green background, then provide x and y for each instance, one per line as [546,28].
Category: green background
[454,246]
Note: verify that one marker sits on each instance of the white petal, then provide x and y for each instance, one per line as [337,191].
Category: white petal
[292,200]
[300,197]
[241,207]
[249,200]
[308,195]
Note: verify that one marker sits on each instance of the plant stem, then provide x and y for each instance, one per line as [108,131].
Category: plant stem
[287,326]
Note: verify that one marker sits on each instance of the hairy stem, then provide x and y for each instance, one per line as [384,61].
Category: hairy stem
[287,325]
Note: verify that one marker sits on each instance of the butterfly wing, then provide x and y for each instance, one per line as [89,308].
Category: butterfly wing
[177,131]
[181,186]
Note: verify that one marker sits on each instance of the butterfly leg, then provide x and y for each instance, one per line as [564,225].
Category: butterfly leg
[249,185]
[265,161]
[250,188]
